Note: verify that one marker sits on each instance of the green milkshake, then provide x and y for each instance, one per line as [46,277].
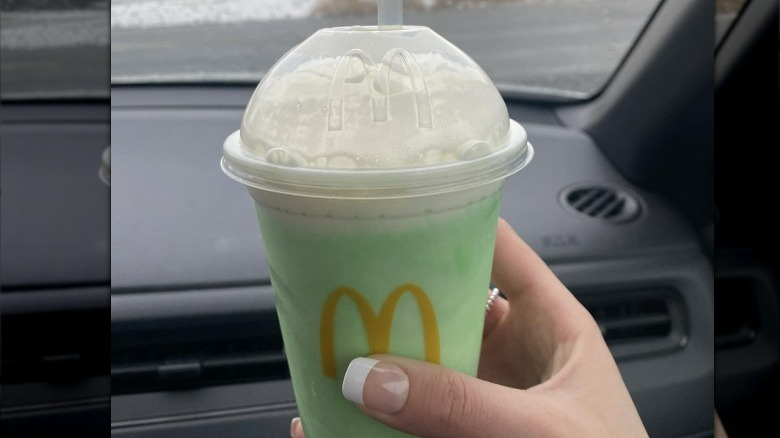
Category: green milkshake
[443,257]
[375,157]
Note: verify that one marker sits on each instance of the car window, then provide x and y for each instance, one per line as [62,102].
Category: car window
[543,48]
[54,49]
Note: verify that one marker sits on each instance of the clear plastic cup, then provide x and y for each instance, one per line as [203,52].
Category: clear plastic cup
[375,157]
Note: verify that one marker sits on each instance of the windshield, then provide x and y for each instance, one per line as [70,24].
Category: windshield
[54,49]
[542,48]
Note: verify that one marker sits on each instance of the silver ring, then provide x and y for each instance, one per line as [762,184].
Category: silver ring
[491,299]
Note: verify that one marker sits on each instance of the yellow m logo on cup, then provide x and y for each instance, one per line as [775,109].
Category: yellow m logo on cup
[377,325]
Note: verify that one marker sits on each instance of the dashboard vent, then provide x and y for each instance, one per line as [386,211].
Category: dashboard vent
[633,320]
[636,323]
[169,355]
[604,203]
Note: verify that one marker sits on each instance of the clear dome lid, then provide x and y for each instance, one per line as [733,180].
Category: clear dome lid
[380,100]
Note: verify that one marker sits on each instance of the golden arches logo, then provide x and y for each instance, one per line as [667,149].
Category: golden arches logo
[377,80]
[377,325]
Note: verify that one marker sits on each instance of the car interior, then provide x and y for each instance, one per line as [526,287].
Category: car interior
[620,201]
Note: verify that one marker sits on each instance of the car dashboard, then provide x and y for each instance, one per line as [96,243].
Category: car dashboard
[196,348]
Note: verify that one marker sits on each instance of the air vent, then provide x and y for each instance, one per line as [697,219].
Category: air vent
[633,320]
[170,355]
[639,322]
[602,202]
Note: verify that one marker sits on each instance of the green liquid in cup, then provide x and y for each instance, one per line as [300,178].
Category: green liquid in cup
[448,255]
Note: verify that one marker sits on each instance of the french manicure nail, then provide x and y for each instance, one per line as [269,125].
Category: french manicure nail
[379,386]
[295,425]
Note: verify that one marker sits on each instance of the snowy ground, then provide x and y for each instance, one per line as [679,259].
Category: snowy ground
[53,29]
[165,13]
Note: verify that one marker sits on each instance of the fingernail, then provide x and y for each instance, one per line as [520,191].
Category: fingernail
[295,427]
[379,386]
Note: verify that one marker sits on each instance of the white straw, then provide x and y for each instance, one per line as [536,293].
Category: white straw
[390,14]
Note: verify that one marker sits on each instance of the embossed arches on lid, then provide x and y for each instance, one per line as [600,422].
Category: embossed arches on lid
[379,98]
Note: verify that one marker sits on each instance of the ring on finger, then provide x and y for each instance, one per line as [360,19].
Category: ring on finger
[494,294]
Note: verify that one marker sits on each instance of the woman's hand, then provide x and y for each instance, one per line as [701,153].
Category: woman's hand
[544,369]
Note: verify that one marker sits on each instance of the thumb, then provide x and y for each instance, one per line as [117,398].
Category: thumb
[431,401]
